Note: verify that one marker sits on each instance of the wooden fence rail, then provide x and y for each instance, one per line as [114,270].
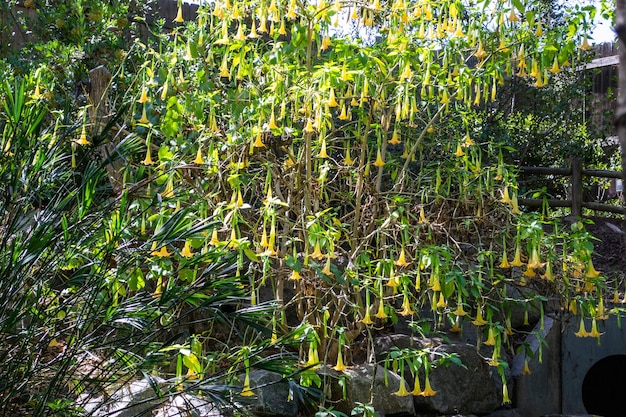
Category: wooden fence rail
[576,172]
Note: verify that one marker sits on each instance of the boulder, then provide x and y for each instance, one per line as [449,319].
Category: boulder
[140,398]
[366,384]
[272,396]
[468,389]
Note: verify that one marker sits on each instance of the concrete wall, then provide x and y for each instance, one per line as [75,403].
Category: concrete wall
[539,394]
[580,354]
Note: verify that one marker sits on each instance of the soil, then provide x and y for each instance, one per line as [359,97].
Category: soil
[609,251]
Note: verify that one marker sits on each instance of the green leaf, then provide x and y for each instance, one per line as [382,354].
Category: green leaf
[519,6]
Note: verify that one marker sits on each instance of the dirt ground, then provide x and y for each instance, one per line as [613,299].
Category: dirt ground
[610,253]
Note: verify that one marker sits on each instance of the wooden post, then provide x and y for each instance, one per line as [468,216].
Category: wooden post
[99,113]
[99,80]
[577,187]
[620,112]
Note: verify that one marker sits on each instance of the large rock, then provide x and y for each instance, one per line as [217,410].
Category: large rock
[466,390]
[366,384]
[140,398]
[272,397]
[471,389]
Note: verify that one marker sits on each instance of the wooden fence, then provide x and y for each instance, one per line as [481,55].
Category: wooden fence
[576,200]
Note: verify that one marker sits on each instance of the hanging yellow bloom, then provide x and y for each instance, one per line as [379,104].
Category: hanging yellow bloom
[295,276]
[340,365]
[144,96]
[406,307]
[491,337]
[309,126]
[402,391]
[82,140]
[326,43]
[224,72]
[513,17]
[590,272]
[555,66]
[459,312]
[247,391]
[505,262]
[186,252]
[179,15]
[534,261]
[526,370]
[515,204]
[348,159]
[323,153]
[214,238]
[402,259]
[332,101]
[459,150]
[422,218]
[161,253]
[505,395]
[582,332]
[326,270]
[428,391]
[258,141]
[144,117]
[148,159]
[381,314]
[317,252]
[417,389]
[344,113]
[585,45]
[479,321]
[594,329]
[395,138]
[539,31]
[442,303]
[199,160]
[367,319]
[406,72]
[272,123]
[379,159]
[480,53]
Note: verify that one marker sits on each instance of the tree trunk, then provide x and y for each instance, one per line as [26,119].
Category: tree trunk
[620,114]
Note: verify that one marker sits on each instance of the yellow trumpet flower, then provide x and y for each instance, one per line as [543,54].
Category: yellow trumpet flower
[402,391]
[367,319]
[340,365]
[381,314]
[491,337]
[428,391]
[179,15]
[332,100]
[555,66]
[186,252]
[591,272]
[161,253]
[323,153]
[505,262]
[406,307]
[402,259]
[317,252]
[459,150]
[199,160]
[479,321]
[505,395]
[582,332]
[539,31]
[459,312]
[395,138]
[214,238]
[526,370]
[295,276]
[144,117]
[379,159]
[326,43]
[517,259]
[417,389]
[594,329]
[441,303]
[585,45]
